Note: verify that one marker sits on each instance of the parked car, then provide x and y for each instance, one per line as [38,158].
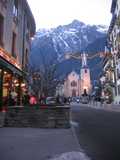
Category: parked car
[84,99]
[78,99]
[50,100]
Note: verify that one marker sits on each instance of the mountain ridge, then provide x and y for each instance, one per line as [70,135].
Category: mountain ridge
[75,37]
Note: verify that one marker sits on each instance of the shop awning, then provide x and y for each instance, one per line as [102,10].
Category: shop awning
[10,67]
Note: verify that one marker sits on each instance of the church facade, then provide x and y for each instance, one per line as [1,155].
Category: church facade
[77,84]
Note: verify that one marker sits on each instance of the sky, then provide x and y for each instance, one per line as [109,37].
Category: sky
[52,13]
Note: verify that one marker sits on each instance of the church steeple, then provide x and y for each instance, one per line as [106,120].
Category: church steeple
[85,75]
[84,60]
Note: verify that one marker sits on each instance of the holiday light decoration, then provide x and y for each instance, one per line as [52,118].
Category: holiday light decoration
[4,54]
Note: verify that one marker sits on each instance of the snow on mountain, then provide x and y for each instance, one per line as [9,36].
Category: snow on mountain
[75,37]
[102,28]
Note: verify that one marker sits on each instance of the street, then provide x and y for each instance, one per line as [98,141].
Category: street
[98,132]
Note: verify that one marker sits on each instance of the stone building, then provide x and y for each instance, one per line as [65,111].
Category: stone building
[72,85]
[77,84]
[17,26]
[85,78]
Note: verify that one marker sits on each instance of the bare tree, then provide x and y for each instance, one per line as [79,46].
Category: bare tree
[44,79]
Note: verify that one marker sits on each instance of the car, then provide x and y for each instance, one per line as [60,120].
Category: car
[84,100]
[50,100]
[78,99]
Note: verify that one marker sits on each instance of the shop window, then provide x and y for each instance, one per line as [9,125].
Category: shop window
[14,45]
[6,84]
[1,29]
[73,84]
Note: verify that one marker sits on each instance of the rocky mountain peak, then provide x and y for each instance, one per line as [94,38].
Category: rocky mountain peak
[75,37]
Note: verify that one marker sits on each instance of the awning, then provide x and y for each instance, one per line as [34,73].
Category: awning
[11,67]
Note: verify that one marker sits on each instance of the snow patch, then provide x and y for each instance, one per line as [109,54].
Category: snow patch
[102,29]
[64,42]
[54,44]
[71,156]
[73,123]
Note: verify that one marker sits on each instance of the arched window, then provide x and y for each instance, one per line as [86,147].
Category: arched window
[73,84]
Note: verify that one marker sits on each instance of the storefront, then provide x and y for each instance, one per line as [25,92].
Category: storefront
[11,79]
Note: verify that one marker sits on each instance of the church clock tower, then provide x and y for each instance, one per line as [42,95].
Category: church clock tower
[85,76]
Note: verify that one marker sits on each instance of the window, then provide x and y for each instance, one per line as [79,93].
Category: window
[14,45]
[1,30]
[118,73]
[27,32]
[85,70]
[26,57]
[15,8]
[73,84]
[119,89]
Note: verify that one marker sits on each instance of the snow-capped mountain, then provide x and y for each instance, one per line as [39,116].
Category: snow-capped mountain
[75,37]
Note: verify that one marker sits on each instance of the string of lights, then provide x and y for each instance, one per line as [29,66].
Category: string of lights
[91,56]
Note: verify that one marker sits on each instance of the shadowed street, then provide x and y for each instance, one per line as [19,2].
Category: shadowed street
[98,132]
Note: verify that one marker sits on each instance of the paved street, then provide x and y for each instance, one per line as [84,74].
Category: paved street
[98,132]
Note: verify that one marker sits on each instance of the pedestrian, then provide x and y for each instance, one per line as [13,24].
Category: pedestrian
[26,98]
[58,99]
[13,96]
[32,100]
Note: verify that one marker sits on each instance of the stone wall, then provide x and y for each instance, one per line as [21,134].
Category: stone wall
[38,117]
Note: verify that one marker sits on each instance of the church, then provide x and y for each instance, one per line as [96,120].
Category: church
[77,84]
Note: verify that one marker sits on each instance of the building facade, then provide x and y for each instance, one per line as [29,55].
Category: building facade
[78,84]
[85,77]
[112,61]
[72,85]
[17,26]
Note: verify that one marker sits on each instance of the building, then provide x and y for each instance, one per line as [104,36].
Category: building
[60,90]
[77,84]
[112,61]
[85,76]
[72,85]
[17,26]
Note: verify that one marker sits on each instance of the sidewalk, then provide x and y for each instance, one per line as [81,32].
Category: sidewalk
[39,144]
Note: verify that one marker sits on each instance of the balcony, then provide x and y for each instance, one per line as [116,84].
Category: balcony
[112,23]
[109,82]
[118,21]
